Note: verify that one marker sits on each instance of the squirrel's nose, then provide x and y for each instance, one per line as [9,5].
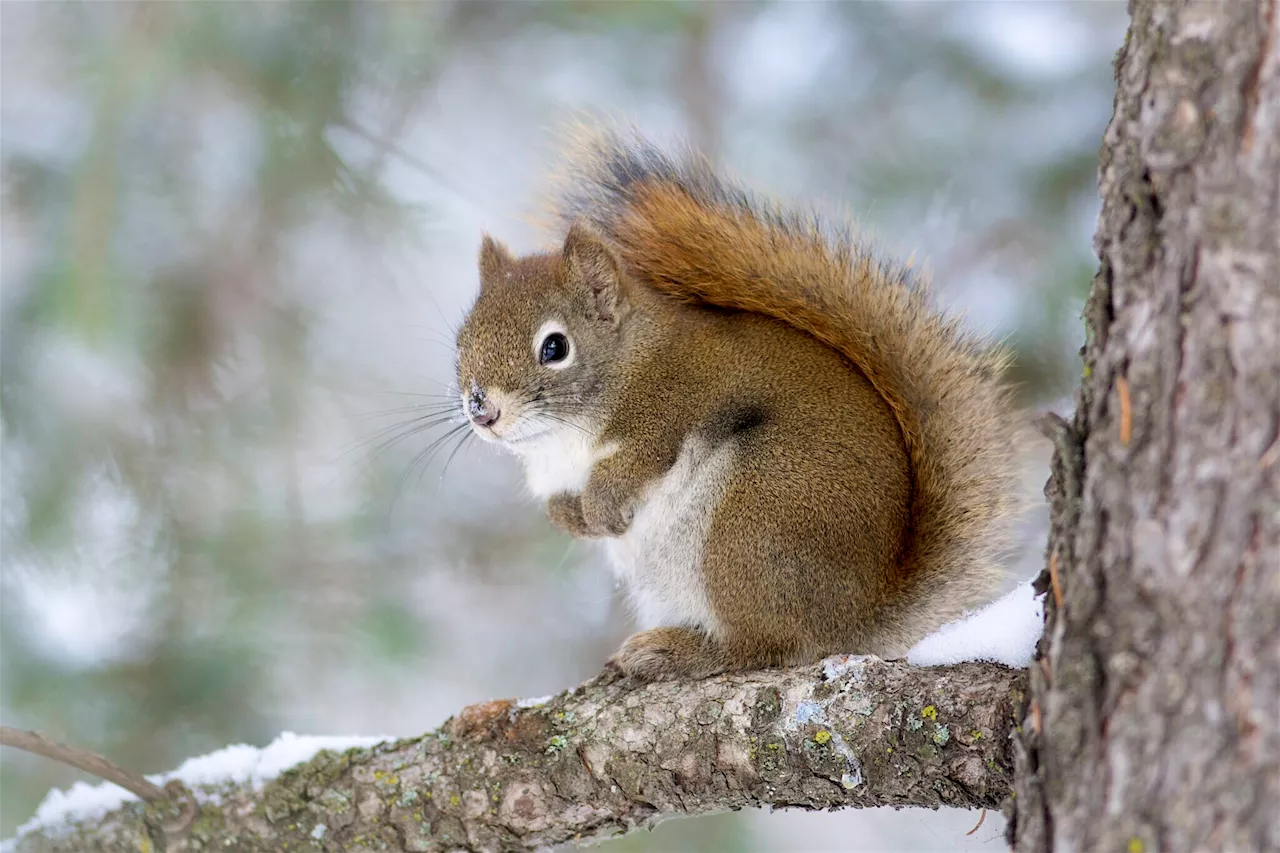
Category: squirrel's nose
[482,413]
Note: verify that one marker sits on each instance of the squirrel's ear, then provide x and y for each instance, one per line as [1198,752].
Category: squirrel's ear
[494,258]
[591,264]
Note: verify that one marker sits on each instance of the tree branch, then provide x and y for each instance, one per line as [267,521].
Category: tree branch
[611,756]
[80,759]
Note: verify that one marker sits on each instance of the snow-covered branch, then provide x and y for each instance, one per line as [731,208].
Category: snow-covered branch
[608,757]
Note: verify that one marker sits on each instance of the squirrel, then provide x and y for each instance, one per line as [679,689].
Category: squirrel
[788,452]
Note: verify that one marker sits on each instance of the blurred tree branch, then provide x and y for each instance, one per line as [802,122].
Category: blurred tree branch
[80,759]
[609,757]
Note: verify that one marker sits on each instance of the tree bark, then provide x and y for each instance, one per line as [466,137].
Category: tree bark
[1152,722]
[609,757]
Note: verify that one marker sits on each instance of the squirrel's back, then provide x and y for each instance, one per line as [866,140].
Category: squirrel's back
[685,231]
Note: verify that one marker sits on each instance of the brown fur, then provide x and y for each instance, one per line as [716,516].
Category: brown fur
[870,438]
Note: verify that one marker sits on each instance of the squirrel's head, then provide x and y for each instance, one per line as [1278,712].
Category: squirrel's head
[536,350]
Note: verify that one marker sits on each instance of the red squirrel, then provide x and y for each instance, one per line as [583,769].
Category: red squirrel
[788,452]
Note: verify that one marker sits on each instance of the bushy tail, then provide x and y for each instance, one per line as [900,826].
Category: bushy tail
[685,231]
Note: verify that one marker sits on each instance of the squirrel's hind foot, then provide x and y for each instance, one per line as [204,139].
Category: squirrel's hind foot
[662,654]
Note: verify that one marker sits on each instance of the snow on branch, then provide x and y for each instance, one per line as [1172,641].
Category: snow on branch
[603,759]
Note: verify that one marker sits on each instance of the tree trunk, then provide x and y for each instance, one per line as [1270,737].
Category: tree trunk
[1152,722]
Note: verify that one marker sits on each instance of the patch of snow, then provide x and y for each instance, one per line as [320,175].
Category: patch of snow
[236,764]
[81,801]
[1005,631]
[534,702]
[245,764]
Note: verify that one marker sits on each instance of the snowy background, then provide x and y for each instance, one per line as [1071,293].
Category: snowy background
[234,241]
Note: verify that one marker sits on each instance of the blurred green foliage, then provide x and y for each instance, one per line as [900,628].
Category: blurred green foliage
[131,269]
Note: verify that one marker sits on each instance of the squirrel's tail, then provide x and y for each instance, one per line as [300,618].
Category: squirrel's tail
[682,229]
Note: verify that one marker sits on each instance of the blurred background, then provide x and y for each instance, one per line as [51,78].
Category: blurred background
[236,239]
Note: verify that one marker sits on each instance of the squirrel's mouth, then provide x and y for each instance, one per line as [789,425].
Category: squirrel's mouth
[503,418]
[520,431]
[513,429]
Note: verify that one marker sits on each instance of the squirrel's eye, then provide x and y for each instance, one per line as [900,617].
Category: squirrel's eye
[555,347]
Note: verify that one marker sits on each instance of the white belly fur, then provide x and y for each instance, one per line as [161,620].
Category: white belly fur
[659,558]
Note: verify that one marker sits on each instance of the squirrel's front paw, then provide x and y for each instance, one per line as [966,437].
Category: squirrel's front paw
[665,653]
[565,512]
[605,517]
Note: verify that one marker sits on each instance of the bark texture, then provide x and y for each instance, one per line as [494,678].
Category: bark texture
[1153,721]
[609,757]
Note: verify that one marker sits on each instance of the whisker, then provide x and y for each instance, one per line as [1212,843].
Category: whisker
[563,421]
[435,491]
[427,408]
[558,399]
[449,396]
[443,344]
[422,458]
[453,327]
[565,558]
[465,438]
[387,437]
[422,420]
